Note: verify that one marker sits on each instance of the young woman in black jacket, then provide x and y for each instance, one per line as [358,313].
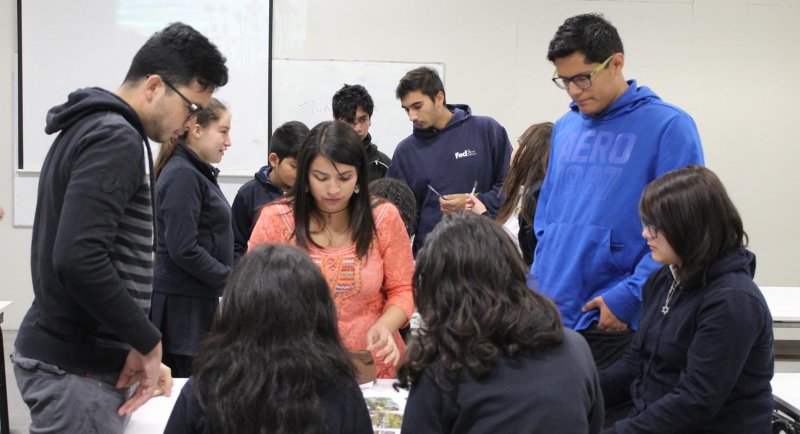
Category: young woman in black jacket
[492,356]
[194,243]
[701,360]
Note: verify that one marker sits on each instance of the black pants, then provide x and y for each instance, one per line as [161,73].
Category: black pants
[607,347]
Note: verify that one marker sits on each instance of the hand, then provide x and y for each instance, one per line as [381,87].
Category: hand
[475,205]
[452,202]
[380,339]
[608,321]
[164,386]
[144,369]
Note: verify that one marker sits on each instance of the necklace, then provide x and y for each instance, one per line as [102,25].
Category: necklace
[665,308]
[324,234]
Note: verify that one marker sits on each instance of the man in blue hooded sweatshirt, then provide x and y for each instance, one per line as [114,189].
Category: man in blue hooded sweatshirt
[615,139]
[450,153]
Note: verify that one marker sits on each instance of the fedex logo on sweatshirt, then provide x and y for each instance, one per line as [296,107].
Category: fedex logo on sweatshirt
[466,153]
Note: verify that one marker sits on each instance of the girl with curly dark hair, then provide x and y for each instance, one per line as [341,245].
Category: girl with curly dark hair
[493,355]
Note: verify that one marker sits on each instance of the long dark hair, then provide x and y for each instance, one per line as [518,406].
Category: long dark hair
[474,305]
[338,142]
[527,171]
[210,113]
[692,209]
[273,347]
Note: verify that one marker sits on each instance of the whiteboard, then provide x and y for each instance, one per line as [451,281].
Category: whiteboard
[66,47]
[302,91]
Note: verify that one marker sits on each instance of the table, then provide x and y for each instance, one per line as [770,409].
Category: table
[4,424]
[786,392]
[784,304]
[153,415]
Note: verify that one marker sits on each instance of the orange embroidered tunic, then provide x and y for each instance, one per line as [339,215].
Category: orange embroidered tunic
[362,288]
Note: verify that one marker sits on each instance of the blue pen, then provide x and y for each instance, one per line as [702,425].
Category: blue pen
[434,190]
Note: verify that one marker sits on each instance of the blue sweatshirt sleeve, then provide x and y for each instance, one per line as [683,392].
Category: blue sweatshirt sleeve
[540,213]
[180,201]
[679,147]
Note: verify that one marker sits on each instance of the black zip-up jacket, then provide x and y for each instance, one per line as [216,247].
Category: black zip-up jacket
[706,365]
[378,162]
[91,250]
[194,252]
[251,196]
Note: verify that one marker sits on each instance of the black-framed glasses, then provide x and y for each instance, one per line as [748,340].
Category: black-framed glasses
[193,107]
[651,229]
[582,81]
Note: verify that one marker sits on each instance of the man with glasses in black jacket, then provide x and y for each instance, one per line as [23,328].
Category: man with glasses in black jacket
[86,340]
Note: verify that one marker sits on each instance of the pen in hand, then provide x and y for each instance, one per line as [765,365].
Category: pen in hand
[474,186]
[434,190]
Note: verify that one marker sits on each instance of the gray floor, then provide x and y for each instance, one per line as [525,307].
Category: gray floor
[17,411]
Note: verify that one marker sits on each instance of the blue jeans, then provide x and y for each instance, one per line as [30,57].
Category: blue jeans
[61,402]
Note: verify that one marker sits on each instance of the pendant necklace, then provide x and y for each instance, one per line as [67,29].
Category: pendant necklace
[665,308]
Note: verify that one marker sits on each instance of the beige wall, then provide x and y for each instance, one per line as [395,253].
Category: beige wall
[15,275]
[731,64]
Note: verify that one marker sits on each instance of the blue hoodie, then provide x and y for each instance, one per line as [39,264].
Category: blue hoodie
[247,204]
[587,219]
[468,149]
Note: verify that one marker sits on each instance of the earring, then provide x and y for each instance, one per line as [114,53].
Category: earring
[355,190]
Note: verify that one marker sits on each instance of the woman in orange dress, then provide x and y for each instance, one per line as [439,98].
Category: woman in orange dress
[360,243]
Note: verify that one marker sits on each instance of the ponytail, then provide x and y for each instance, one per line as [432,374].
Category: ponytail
[166,152]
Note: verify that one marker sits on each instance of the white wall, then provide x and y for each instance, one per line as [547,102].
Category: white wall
[15,275]
[731,64]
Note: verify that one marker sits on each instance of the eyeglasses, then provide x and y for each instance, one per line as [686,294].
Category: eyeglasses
[583,81]
[651,229]
[193,108]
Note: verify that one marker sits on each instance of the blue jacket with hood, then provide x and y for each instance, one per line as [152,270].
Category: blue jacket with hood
[247,204]
[587,218]
[468,149]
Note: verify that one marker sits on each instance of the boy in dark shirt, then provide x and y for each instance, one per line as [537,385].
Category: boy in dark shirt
[353,105]
[450,150]
[269,183]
